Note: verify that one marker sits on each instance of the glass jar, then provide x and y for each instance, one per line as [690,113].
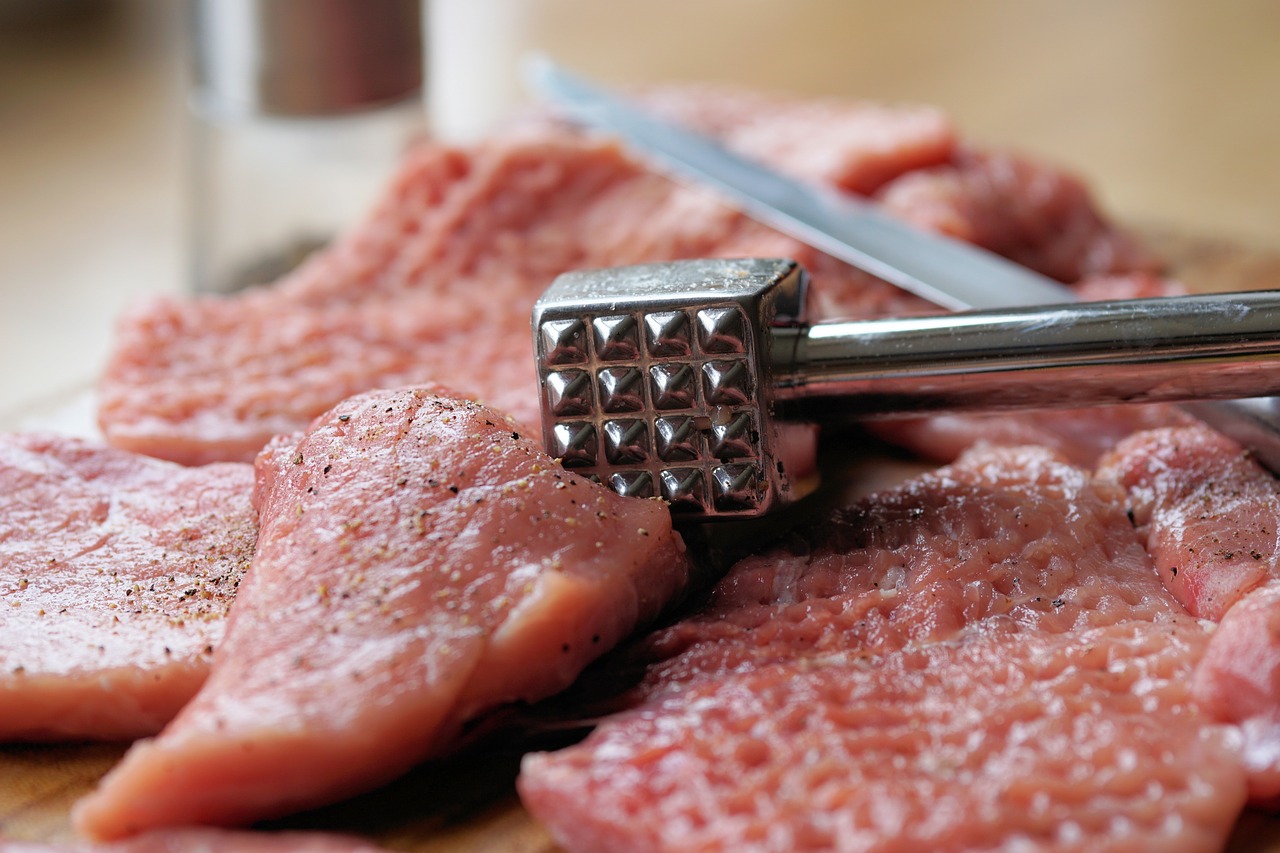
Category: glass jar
[299,111]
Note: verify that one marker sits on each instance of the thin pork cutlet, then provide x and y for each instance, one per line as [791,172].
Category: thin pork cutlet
[1208,512]
[438,282]
[420,562]
[980,659]
[1210,515]
[116,574]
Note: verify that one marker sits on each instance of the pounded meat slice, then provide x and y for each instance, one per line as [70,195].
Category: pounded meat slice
[1238,682]
[1057,742]
[117,572]
[1208,512]
[420,562]
[1010,534]
[980,659]
[1026,211]
[437,284]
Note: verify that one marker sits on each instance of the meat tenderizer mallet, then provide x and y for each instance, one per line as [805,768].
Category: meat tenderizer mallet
[670,380]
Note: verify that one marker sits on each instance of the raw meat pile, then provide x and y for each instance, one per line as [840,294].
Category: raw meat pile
[438,283]
[1060,641]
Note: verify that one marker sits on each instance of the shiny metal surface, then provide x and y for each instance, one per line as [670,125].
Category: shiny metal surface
[655,379]
[949,273]
[1076,354]
[944,271]
[672,380]
[304,57]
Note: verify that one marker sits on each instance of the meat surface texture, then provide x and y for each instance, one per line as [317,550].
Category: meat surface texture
[1026,211]
[420,562]
[1210,515]
[1082,436]
[438,282]
[116,574]
[981,659]
[1238,682]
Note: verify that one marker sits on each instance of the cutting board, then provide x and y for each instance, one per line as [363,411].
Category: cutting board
[469,804]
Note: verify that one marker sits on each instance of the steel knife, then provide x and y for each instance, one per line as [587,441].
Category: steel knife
[942,270]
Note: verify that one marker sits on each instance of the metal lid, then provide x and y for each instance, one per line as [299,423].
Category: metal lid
[305,57]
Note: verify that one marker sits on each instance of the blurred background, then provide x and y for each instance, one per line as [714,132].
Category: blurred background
[1169,108]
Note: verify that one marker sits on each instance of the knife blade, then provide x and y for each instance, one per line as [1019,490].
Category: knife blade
[943,270]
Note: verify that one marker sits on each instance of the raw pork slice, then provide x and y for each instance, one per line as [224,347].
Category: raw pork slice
[1082,436]
[116,572]
[1238,682]
[1210,515]
[437,284]
[206,841]
[980,659]
[1026,211]
[420,562]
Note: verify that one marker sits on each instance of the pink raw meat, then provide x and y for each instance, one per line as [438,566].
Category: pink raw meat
[980,659]
[1026,211]
[1238,682]
[118,571]
[438,282]
[1208,512]
[853,146]
[1082,436]
[420,562]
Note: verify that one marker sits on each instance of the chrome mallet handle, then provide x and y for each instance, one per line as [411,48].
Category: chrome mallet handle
[1132,351]
[669,380]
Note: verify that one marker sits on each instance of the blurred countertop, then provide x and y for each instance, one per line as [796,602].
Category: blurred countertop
[1169,108]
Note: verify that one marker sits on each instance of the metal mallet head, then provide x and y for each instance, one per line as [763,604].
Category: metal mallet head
[673,380]
[655,379]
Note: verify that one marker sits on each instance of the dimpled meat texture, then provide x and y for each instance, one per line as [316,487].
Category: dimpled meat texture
[420,562]
[1210,515]
[438,282]
[1238,682]
[981,659]
[116,573]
